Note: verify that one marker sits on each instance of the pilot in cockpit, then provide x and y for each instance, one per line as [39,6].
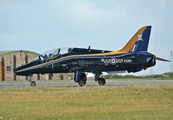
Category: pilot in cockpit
[50,55]
[69,50]
[45,57]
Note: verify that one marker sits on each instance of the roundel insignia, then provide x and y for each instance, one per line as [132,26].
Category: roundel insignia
[113,61]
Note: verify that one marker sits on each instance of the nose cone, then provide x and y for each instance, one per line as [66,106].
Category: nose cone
[22,70]
[14,71]
[25,70]
[19,70]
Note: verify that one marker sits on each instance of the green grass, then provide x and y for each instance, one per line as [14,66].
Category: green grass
[90,103]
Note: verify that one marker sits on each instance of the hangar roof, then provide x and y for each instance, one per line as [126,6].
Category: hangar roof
[2,53]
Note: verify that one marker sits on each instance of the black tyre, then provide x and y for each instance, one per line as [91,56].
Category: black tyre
[33,83]
[82,83]
[101,81]
[83,79]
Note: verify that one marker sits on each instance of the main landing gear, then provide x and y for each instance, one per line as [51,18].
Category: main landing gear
[80,78]
[32,83]
[101,81]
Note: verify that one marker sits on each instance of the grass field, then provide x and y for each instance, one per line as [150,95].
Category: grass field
[90,103]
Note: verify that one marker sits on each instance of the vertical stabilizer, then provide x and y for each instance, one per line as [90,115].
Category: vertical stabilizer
[139,42]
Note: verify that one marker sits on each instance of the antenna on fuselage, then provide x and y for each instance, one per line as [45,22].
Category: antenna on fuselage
[89,48]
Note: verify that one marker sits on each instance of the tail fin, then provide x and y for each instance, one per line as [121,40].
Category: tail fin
[139,42]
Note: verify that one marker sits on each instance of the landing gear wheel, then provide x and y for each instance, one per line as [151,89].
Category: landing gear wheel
[101,81]
[82,83]
[33,83]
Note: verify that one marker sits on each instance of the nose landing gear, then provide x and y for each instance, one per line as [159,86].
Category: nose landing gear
[32,83]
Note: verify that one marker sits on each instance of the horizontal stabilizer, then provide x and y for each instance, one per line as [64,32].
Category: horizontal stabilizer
[161,59]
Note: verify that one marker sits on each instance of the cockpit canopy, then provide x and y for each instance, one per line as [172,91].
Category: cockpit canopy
[61,52]
[53,53]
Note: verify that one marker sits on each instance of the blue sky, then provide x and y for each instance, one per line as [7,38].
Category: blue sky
[40,25]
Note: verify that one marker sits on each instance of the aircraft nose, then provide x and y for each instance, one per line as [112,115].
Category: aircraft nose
[15,71]
[18,71]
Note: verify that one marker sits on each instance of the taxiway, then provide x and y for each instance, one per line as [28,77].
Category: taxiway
[70,83]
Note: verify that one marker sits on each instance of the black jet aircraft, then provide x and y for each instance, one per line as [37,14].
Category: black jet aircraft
[133,57]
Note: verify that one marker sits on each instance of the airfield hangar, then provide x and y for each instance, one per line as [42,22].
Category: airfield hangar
[9,60]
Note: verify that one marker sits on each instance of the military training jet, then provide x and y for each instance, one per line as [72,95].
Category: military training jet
[133,57]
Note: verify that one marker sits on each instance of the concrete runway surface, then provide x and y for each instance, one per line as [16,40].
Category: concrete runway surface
[70,83]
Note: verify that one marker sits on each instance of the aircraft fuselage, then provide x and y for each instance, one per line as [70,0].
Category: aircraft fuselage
[131,62]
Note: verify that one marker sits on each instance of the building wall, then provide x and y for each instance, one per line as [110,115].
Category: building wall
[13,60]
[2,74]
[1,71]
